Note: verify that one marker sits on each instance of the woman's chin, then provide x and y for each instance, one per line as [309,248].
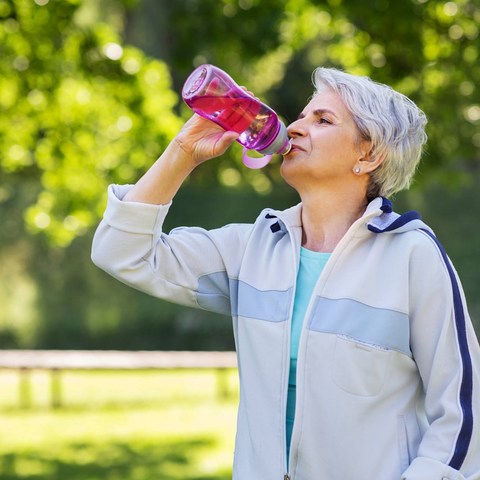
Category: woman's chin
[289,170]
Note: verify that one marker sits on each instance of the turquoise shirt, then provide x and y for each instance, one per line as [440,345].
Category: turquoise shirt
[311,266]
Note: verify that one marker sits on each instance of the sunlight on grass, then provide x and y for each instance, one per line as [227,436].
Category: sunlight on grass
[129,426]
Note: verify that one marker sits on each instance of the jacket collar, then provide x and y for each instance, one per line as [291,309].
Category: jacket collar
[378,217]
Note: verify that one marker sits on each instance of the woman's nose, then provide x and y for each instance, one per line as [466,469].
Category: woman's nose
[296,129]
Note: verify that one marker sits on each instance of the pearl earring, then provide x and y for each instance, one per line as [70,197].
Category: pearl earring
[357,170]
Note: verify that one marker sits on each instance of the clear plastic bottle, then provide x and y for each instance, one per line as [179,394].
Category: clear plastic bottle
[213,94]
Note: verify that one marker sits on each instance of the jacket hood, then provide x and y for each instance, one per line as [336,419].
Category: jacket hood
[387,221]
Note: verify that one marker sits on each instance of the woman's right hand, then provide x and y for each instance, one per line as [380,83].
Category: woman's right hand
[201,139]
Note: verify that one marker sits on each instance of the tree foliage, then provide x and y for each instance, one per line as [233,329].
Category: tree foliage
[82,107]
[79,110]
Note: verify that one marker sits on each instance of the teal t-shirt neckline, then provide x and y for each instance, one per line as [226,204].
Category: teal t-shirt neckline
[310,268]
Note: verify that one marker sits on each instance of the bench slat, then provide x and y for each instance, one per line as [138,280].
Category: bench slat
[114,359]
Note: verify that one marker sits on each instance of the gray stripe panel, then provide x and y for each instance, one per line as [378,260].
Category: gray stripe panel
[268,305]
[217,293]
[213,293]
[379,327]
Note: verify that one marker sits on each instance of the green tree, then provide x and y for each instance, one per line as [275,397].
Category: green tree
[79,110]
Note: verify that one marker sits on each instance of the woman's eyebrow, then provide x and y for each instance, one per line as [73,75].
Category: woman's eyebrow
[319,112]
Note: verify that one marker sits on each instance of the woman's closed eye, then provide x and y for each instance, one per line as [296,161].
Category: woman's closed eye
[323,120]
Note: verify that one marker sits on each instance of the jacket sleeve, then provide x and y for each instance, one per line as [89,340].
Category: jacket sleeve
[189,266]
[446,350]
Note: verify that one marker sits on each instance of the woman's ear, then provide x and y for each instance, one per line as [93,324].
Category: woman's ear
[371,159]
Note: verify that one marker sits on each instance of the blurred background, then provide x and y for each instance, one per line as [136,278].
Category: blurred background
[90,95]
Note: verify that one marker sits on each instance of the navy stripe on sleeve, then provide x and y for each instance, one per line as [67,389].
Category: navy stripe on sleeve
[466,388]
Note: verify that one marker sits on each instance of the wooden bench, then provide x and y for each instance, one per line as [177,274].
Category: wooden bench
[56,361]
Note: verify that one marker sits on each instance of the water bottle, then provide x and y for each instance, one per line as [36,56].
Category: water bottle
[213,94]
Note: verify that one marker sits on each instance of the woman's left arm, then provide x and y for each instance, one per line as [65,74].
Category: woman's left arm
[447,353]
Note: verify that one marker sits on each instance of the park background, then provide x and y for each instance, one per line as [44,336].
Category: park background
[90,95]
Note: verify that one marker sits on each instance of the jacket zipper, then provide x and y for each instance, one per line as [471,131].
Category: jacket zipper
[292,236]
[296,265]
[307,313]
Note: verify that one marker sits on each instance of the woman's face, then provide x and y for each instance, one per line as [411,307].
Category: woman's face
[325,144]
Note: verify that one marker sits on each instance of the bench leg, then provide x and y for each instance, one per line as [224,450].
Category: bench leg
[24,391]
[222,383]
[55,388]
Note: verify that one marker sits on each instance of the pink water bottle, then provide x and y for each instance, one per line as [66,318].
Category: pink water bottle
[213,94]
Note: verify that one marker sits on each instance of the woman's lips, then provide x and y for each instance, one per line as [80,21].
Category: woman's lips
[296,148]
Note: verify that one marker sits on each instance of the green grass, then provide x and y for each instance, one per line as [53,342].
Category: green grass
[119,426]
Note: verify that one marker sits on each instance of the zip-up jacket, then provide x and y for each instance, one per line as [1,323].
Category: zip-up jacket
[388,365]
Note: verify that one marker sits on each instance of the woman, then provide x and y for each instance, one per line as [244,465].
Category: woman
[357,359]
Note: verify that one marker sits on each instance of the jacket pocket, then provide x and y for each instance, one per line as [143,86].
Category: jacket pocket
[359,368]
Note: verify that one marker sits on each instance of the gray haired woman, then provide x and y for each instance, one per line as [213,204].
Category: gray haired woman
[357,357]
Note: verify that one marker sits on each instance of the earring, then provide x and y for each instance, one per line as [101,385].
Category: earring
[356,170]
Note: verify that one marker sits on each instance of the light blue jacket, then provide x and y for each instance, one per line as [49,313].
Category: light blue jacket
[388,383]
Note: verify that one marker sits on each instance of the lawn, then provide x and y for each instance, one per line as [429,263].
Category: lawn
[119,426]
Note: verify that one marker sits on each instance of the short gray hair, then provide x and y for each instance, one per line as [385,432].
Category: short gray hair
[391,121]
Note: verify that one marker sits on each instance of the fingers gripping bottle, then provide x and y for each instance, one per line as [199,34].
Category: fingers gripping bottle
[213,94]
